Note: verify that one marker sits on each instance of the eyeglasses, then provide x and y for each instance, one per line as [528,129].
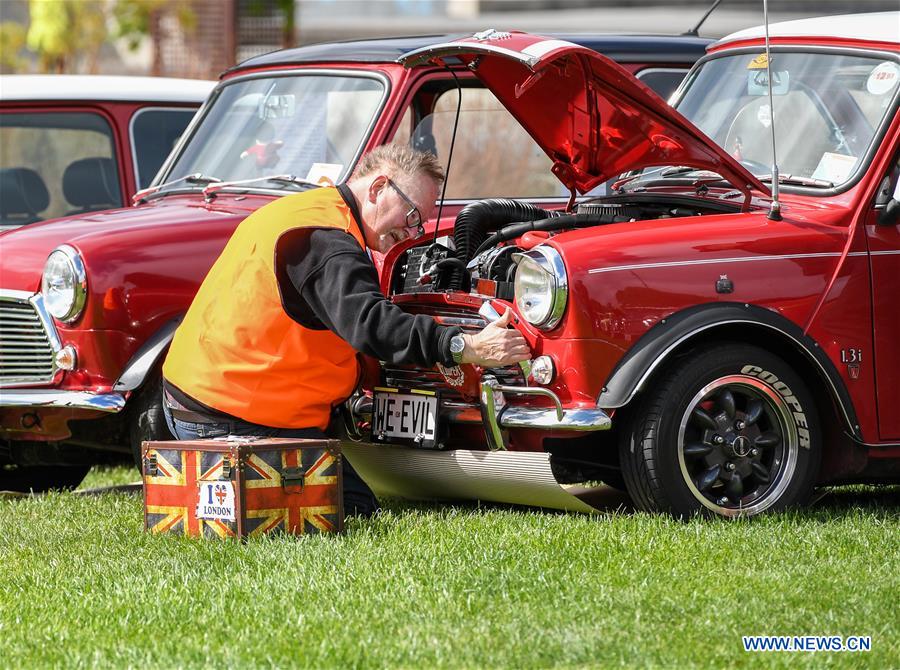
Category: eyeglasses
[413,216]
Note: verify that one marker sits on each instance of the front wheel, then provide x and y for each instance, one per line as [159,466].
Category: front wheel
[728,431]
[147,420]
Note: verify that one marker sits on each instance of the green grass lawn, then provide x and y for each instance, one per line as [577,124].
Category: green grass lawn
[447,586]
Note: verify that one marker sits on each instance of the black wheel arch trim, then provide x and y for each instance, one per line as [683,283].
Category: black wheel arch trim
[653,349]
[145,358]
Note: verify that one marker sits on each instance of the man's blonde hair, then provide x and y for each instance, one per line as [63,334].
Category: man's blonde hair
[399,161]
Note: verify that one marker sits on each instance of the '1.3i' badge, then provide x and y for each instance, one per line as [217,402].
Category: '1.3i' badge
[216,500]
[852,358]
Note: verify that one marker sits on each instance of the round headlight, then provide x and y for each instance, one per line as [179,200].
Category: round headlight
[64,284]
[541,286]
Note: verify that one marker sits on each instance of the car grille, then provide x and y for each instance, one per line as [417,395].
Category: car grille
[408,376]
[26,349]
[433,380]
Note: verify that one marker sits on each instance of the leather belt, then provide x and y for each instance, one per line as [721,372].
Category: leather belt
[182,413]
[192,417]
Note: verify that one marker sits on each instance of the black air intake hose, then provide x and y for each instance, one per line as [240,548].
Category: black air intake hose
[558,222]
[478,218]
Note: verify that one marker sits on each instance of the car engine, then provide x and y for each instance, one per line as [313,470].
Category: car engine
[487,234]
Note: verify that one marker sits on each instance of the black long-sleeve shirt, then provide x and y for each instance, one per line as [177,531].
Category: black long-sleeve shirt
[327,280]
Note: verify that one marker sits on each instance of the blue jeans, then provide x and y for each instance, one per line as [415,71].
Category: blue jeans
[358,497]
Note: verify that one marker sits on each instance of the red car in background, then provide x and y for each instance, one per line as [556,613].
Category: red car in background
[71,144]
[695,342]
[88,304]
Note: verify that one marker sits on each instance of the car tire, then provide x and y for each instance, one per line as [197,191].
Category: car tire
[41,478]
[729,431]
[147,422]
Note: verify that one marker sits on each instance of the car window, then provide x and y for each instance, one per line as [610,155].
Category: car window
[154,133]
[55,164]
[828,107]
[308,126]
[663,81]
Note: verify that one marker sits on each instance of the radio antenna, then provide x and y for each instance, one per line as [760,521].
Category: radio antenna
[695,31]
[775,209]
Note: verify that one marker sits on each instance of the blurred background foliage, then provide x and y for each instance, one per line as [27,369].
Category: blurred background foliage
[68,35]
[186,38]
[135,20]
[12,42]
[60,29]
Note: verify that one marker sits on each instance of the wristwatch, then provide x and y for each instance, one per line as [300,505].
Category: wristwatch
[457,346]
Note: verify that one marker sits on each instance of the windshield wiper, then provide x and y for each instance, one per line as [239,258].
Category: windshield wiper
[210,191]
[682,170]
[677,170]
[697,178]
[644,177]
[195,178]
[291,179]
[798,181]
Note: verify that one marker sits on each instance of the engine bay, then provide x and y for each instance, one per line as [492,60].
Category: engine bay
[480,256]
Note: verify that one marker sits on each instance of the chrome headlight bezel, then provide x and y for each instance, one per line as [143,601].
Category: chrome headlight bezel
[74,265]
[547,260]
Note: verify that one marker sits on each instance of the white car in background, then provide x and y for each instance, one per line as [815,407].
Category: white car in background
[79,143]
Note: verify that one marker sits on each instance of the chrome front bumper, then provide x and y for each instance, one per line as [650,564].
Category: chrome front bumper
[103,402]
[496,414]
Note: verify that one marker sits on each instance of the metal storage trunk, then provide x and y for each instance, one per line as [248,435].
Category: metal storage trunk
[240,487]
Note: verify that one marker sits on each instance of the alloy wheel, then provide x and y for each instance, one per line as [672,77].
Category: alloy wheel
[737,445]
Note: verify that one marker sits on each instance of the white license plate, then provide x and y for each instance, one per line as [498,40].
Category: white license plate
[405,415]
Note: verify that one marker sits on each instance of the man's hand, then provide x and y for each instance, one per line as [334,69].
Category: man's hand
[496,345]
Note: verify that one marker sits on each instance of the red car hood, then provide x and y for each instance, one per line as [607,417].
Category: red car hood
[593,118]
[120,236]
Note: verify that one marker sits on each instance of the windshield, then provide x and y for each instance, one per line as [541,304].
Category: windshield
[308,126]
[828,109]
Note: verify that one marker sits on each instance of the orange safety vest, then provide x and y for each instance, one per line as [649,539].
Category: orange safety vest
[237,350]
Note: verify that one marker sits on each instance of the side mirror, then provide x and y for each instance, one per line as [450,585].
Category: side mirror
[890,215]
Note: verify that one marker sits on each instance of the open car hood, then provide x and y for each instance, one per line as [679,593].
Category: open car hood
[592,117]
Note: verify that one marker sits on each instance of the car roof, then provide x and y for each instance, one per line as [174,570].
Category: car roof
[624,48]
[874,27]
[22,87]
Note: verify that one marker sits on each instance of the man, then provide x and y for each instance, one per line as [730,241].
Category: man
[268,346]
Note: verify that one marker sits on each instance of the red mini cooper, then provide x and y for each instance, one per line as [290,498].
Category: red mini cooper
[89,303]
[696,341]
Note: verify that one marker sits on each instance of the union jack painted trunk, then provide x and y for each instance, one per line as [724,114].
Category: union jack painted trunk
[241,487]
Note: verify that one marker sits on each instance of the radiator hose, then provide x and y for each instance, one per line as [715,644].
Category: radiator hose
[477,219]
[558,222]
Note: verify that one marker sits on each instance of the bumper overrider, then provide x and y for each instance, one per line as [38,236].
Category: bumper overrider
[497,413]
